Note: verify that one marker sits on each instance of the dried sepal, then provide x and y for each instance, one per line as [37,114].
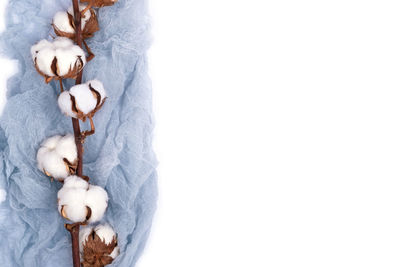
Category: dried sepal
[100,3]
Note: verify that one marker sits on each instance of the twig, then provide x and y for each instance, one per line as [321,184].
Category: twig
[61,86]
[78,138]
[74,231]
[92,129]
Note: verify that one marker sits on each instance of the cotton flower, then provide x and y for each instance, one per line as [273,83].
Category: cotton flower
[82,100]
[79,201]
[100,3]
[64,24]
[98,245]
[59,59]
[57,156]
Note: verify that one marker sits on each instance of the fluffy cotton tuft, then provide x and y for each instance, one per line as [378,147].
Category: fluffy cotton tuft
[106,233]
[61,20]
[80,202]
[97,200]
[88,99]
[57,156]
[61,58]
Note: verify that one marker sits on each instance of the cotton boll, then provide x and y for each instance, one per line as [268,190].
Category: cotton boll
[51,154]
[84,99]
[65,104]
[99,247]
[62,22]
[98,86]
[60,59]
[79,202]
[96,200]
[105,232]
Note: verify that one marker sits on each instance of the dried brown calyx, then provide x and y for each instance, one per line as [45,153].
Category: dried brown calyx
[96,252]
[99,3]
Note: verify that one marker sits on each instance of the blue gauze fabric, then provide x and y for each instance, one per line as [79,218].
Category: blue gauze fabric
[118,157]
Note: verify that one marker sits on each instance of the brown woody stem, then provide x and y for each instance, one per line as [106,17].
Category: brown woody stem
[61,86]
[74,230]
[91,55]
[92,129]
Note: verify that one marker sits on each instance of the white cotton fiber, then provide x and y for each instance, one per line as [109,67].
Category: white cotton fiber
[71,199]
[85,100]
[66,147]
[44,60]
[51,163]
[51,154]
[74,181]
[76,195]
[98,86]
[63,42]
[96,199]
[39,46]
[61,21]
[65,104]
[67,59]
[105,232]
[51,142]
[115,252]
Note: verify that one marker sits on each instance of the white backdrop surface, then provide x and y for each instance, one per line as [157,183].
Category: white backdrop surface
[277,133]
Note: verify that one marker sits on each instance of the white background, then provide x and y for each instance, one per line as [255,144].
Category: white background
[277,133]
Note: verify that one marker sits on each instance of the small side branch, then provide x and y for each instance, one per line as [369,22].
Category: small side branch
[91,55]
[61,86]
[92,129]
